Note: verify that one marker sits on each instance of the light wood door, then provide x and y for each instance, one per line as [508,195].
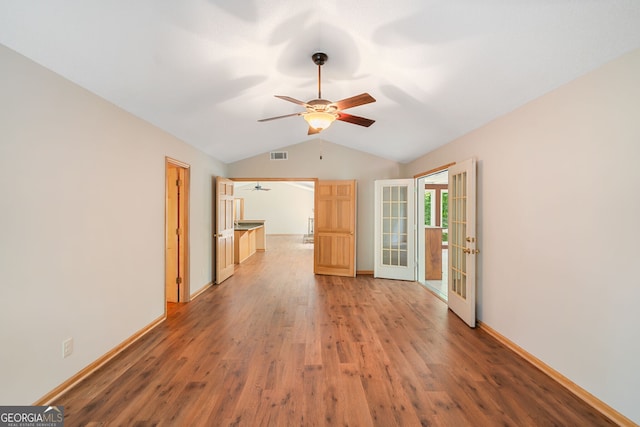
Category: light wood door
[172,275]
[223,237]
[462,241]
[335,228]
[177,232]
[394,240]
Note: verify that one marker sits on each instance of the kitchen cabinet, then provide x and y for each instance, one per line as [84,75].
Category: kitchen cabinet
[433,253]
[249,238]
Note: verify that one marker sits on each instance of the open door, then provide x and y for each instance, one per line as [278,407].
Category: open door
[462,241]
[335,226]
[394,239]
[176,231]
[223,237]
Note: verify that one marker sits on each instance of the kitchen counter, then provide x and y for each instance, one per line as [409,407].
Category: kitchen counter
[248,226]
[249,238]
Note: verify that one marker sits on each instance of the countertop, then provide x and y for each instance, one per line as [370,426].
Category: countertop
[247,226]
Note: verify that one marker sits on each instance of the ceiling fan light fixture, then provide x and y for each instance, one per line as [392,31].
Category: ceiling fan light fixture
[322,112]
[319,120]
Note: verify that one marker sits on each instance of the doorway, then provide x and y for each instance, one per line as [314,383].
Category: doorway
[286,205]
[433,231]
[176,231]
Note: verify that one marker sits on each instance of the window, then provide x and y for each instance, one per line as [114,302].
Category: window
[444,214]
[436,208]
[430,208]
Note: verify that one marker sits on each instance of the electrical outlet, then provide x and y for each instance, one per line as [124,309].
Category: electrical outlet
[67,347]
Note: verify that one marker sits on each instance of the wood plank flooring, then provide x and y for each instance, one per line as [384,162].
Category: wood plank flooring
[275,345]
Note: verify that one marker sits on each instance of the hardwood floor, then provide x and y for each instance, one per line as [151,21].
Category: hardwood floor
[275,345]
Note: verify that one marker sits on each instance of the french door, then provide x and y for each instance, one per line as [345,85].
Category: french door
[394,243]
[462,241]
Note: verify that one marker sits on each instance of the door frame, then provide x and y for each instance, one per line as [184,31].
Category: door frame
[263,179]
[420,239]
[182,263]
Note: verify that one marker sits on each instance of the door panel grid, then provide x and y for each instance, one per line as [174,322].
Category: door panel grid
[458,227]
[394,226]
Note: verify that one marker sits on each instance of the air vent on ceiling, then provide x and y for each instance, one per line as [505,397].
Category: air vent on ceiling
[279,155]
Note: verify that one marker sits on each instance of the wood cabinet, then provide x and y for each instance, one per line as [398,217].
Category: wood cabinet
[433,253]
[249,238]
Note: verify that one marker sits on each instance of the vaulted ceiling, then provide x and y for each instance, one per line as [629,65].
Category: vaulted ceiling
[206,71]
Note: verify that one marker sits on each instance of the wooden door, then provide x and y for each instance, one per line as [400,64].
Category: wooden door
[177,232]
[462,241]
[394,221]
[335,226]
[223,237]
[172,244]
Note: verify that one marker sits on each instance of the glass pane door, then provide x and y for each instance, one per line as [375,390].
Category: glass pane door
[394,221]
[395,229]
[463,249]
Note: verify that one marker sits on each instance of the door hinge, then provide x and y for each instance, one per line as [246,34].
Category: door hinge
[178,280]
[178,182]
[178,231]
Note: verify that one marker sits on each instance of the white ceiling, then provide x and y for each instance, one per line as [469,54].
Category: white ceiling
[205,71]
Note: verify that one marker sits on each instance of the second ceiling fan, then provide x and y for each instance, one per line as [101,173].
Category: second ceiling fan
[320,113]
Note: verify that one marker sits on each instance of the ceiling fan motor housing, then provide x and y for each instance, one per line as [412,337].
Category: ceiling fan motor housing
[319,58]
[321,105]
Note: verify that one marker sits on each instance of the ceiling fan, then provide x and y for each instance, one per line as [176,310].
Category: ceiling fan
[320,113]
[258,187]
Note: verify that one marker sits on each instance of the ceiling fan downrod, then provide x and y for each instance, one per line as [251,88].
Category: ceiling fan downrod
[319,58]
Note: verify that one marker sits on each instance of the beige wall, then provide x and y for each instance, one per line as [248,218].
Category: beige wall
[82,250]
[559,203]
[338,162]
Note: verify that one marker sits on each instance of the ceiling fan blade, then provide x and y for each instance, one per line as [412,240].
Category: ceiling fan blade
[313,131]
[354,101]
[355,119]
[295,101]
[279,117]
